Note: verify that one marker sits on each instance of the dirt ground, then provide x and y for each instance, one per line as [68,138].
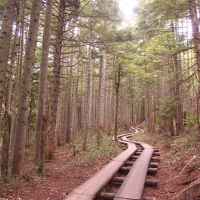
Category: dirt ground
[178,170]
[178,176]
[59,178]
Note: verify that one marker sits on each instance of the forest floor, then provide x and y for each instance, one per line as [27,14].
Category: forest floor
[178,171]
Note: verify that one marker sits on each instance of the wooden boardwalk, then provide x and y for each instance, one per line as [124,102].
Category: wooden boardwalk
[133,183]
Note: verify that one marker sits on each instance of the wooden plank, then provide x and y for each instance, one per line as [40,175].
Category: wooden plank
[127,153]
[92,186]
[119,136]
[146,146]
[89,189]
[123,138]
[98,180]
[73,196]
[134,182]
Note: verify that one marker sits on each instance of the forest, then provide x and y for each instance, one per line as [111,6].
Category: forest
[71,71]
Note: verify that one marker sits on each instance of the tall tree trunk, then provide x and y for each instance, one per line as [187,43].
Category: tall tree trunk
[87,99]
[108,104]
[86,102]
[177,97]
[143,113]
[51,139]
[75,106]
[102,94]
[22,117]
[109,108]
[5,38]
[59,117]
[18,77]
[196,36]
[65,88]
[84,89]
[172,110]
[8,115]
[117,85]
[69,102]
[149,111]
[42,87]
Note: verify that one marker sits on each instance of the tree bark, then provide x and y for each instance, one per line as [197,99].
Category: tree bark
[69,103]
[58,119]
[51,136]
[22,117]
[102,94]
[117,85]
[196,37]
[75,106]
[8,115]
[5,38]
[87,98]
[42,86]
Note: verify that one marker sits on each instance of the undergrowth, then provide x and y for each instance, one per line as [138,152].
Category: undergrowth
[176,145]
[100,147]
[180,159]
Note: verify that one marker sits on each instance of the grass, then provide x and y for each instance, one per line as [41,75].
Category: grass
[177,146]
[151,139]
[185,141]
[100,147]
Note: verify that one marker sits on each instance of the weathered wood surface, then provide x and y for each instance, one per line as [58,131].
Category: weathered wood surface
[148,182]
[91,187]
[73,196]
[134,182]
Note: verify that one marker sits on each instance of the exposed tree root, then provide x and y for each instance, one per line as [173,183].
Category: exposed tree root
[183,168]
[187,188]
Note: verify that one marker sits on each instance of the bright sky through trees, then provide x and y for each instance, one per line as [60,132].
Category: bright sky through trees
[127,6]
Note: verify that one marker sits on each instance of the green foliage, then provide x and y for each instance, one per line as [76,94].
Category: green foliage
[154,16]
[175,158]
[151,139]
[2,4]
[103,149]
[190,121]
[27,153]
[3,177]
[166,112]
[30,143]
[183,142]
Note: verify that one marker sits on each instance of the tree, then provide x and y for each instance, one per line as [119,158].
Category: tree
[51,137]
[196,37]
[23,107]
[7,115]
[88,94]
[102,94]
[40,120]
[117,85]
[5,38]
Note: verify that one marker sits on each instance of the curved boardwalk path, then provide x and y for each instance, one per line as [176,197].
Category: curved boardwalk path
[133,164]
